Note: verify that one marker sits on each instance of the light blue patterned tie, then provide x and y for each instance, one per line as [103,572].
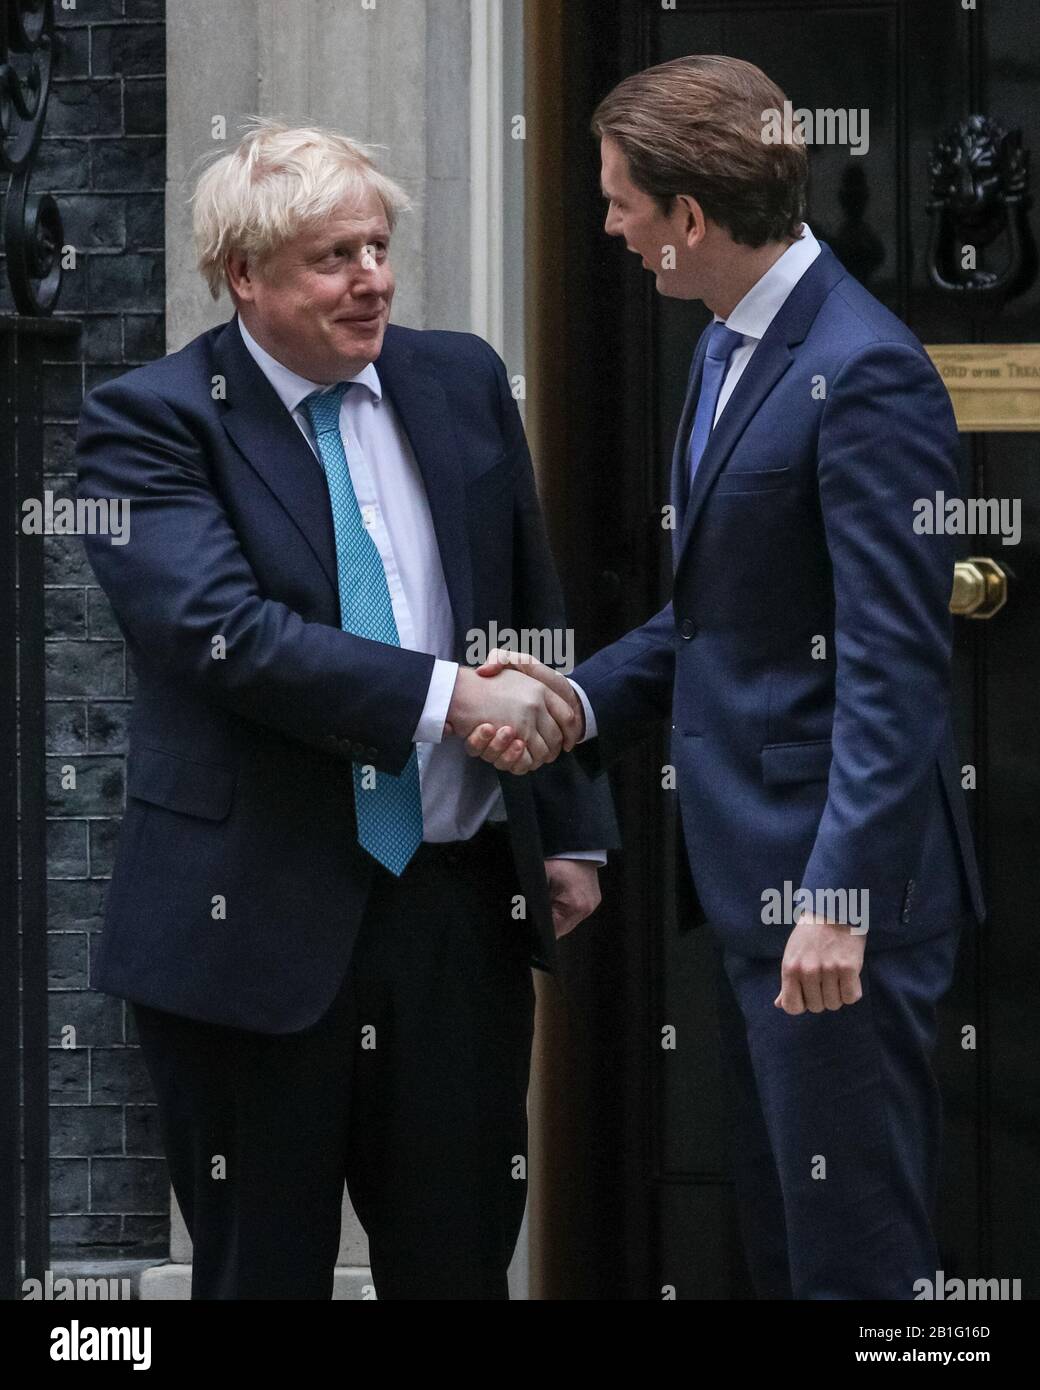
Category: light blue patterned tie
[389,813]
[721,343]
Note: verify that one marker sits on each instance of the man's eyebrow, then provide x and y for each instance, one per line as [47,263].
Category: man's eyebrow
[362,238]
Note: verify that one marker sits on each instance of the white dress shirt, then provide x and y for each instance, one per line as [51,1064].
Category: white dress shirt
[751,317]
[459,793]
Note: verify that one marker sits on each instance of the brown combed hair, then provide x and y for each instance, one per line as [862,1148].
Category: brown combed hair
[695,126]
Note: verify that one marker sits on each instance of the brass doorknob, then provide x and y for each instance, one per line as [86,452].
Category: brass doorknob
[979,587]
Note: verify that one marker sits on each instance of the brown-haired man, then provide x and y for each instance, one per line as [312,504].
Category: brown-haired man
[804,661]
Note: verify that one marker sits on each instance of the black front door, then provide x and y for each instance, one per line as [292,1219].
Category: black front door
[654,1131]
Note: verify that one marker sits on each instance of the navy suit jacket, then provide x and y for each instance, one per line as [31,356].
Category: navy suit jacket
[239,781]
[821,765]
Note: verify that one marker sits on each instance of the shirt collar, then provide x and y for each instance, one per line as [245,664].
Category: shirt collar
[760,306]
[292,388]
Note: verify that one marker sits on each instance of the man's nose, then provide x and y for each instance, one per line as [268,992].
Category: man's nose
[372,278]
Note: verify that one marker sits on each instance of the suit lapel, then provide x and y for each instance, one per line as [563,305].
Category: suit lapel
[271,442]
[680,471]
[768,363]
[422,407]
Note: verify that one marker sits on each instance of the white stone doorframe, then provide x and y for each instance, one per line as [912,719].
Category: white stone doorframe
[438,84]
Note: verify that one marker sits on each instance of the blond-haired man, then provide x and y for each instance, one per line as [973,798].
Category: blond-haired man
[323,913]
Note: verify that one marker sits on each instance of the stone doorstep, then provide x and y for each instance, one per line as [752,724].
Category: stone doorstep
[171,1282]
[100,1268]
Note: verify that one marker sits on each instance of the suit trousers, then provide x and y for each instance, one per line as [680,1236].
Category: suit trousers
[836,1125]
[411,1088]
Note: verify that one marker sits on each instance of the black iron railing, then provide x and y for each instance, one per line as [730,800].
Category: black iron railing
[32,243]
[32,222]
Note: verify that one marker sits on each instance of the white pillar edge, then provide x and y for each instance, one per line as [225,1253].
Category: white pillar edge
[487,134]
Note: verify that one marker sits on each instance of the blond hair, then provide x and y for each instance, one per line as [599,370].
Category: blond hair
[279,180]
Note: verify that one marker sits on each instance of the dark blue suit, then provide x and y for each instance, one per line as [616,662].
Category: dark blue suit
[804,661]
[238,777]
[332,1021]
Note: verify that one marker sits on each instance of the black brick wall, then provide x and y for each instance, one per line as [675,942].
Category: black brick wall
[103,157]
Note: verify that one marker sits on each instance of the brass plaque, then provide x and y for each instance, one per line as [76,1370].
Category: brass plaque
[993,386]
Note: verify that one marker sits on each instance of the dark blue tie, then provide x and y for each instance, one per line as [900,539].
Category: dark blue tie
[721,342]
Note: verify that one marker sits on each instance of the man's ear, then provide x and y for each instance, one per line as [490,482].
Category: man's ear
[234,270]
[693,220]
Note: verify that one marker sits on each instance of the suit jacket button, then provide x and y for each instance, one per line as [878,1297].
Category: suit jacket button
[687,629]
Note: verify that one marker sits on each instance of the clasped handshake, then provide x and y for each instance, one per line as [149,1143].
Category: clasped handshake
[515,712]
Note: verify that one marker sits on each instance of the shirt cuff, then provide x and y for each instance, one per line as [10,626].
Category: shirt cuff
[590,718]
[430,728]
[597,856]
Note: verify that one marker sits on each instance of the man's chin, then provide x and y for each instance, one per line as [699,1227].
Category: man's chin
[666,286]
[359,346]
